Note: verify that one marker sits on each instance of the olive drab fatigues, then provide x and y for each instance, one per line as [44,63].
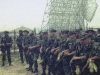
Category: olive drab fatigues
[34,53]
[81,50]
[63,44]
[71,45]
[19,44]
[89,52]
[26,43]
[97,62]
[44,45]
[6,48]
[98,53]
[54,43]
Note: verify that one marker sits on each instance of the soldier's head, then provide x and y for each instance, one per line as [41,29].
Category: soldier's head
[90,32]
[25,32]
[6,33]
[80,39]
[32,35]
[52,32]
[44,34]
[72,35]
[64,33]
[20,32]
[87,39]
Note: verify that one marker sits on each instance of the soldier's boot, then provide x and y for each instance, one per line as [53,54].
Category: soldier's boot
[29,69]
[3,64]
[35,70]
[49,73]
[44,73]
[10,64]
[32,70]
[22,61]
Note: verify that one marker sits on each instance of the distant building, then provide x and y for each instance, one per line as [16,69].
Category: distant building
[15,32]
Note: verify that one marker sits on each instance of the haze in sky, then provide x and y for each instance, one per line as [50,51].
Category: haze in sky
[29,13]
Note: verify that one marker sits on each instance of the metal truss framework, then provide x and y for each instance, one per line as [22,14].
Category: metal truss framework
[68,14]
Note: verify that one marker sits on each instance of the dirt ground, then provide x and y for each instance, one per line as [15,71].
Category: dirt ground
[17,68]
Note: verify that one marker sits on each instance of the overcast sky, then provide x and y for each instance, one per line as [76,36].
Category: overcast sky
[29,13]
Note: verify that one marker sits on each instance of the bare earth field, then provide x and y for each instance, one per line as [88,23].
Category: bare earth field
[17,68]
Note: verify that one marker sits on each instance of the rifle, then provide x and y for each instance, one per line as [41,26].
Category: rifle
[47,53]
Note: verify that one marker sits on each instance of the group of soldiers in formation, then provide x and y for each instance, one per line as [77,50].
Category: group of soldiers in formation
[68,53]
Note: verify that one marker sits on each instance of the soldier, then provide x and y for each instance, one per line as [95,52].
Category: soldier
[34,49]
[44,46]
[6,43]
[94,57]
[26,43]
[79,58]
[62,46]
[19,44]
[54,43]
[91,33]
[69,52]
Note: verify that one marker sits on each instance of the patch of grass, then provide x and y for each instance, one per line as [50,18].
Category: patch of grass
[17,68]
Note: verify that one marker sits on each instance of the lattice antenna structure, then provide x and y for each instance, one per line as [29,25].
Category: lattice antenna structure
[68,14]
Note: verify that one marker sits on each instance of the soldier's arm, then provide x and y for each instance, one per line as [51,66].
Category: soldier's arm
[41,50]
[32,47]
[92,58]
[23,45]
[55,49]
[95,57]
[77,58]
[38,44]
[81,57]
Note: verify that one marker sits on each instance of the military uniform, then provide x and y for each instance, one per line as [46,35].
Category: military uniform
[63,45]
[81,50]
[89,51]
[19,44]
[5,47]
[44,45]
[71,47]
[96,52]
[34,53]
[26,43]
[97,62]
[54,43]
